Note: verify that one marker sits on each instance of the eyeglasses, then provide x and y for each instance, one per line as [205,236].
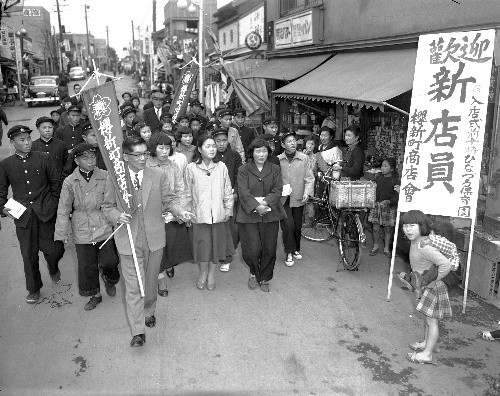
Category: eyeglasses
[146,154]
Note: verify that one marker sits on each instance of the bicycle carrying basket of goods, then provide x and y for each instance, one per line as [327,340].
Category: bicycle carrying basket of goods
[352,194]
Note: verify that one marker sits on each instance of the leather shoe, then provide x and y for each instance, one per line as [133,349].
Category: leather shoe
[170,272]
[92,303]
[162,292]
[151,321]
[110,289]
[56,278]
[138,340]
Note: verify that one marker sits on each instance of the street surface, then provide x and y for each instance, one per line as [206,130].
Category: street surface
[318,332]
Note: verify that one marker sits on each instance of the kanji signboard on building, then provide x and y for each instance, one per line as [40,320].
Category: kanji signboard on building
[446,124]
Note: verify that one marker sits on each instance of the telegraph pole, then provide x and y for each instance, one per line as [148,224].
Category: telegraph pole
[107,36]
[153,43]
[88,38]
[59,47]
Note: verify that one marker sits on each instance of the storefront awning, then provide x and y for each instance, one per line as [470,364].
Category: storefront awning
[365,79]
[288,69]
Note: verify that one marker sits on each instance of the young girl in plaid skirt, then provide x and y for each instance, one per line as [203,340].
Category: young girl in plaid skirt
[386,202]
[435,303]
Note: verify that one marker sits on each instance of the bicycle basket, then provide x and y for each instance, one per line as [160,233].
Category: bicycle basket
[352,194]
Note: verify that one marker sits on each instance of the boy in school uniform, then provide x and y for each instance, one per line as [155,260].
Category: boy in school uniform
[47,143]
[71,134]
[225,117]
[270,126]
[247,135]
[36,185]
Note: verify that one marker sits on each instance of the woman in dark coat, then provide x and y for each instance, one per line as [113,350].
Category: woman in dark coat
[354,155]
[259,211]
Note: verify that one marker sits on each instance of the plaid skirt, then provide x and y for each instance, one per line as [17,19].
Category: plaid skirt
[384,215]
[435,302]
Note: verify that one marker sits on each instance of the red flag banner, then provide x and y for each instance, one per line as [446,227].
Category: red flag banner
[105,119]
[183,92]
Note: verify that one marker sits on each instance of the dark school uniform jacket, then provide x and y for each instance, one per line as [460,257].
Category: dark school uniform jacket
[70,134]
[55,148]
[233,162]
[35,184]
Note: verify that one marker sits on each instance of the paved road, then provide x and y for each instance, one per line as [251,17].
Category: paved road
[319,332]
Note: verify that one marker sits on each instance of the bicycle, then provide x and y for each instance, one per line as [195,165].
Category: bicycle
[340,223]
[8,99]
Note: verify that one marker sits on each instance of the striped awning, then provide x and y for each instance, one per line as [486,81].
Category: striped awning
[288,69]
[361,78]
[252,92]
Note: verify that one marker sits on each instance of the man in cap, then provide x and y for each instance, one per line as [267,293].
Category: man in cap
[36,185]
[247,135]
[225,118]
[47,143]
[152,116]
[270,126]
[63,110]
[71,134]
[79,216]
[233,162]
[297,174]
[128,115]
[56,116]
[197,111]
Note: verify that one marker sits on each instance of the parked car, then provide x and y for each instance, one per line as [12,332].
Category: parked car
[42,89]
[76,73]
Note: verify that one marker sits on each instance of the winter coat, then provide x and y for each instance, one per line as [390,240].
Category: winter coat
[83,201]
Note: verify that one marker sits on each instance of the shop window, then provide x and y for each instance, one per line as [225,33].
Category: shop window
[293,6]
[192,24]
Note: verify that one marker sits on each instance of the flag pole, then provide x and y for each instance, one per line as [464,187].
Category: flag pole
[469,256]
[393,256]
[134,256]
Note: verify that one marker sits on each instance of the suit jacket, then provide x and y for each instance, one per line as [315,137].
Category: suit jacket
[158,196]
[267,184]
[35,183]
[151,119]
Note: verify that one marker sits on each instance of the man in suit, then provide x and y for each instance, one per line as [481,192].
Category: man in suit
[35,184]
[152,116]
[152,195]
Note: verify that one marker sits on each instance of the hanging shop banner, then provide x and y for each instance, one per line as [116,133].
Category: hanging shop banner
[183,92]
[105,119]
[446,124]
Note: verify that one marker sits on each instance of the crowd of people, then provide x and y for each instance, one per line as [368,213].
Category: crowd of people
[199,186]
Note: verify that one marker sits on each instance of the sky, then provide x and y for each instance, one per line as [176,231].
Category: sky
[117,14]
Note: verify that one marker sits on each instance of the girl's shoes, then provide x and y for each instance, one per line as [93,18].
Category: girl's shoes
[374,250]
[211,286]
[200,285]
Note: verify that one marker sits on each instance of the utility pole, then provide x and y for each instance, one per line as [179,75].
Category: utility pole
[139,49]
[88,38]
[107,36]
[59,47]
[153,43]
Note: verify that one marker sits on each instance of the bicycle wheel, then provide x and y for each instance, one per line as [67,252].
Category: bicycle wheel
[321,227]
[10,99]
[349,241]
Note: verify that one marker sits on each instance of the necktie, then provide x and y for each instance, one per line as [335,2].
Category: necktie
[137,184]
[158,113]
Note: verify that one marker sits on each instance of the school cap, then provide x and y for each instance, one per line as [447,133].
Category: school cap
[270,120]
[66,99]
[74,108]
[43,119]
[195,119]
[219,131]
[196,103]
[83,148]
[126,93]
[17,130]
[225,112]
[128,110]
[285,134]
[184,117]
[240,110]
[58,111]
[86,126]
[267,137]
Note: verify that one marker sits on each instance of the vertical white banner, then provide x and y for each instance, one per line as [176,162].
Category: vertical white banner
[446,125]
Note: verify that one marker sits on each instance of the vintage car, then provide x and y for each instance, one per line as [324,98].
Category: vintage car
[76,73]
[42,89]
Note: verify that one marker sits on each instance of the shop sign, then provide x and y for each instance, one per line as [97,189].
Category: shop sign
[228,37]
[296,30]
[253,22]
[147,45]
[444,144]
